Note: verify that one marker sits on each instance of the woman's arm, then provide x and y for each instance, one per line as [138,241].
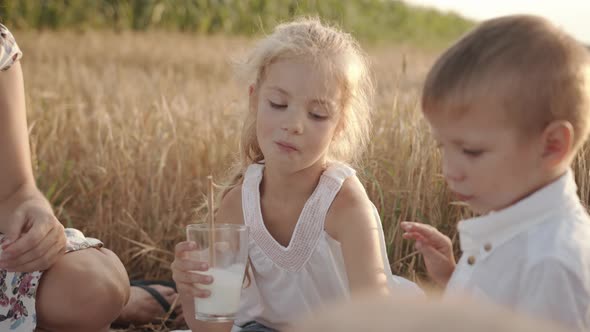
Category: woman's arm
[17,183]
[34,238]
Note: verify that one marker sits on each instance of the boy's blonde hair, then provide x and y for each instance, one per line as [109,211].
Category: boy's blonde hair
[309,39]
[521,66]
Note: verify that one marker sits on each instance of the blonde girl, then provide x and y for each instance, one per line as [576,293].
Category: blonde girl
[315,237]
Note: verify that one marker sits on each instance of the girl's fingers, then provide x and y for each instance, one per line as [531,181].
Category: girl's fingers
[183,247]
[190,289]
[201,293]
[191,278]
[183,264]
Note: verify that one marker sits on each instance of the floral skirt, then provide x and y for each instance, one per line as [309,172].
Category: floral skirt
[18,289]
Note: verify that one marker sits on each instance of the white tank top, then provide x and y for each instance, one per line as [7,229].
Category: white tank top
[292,281]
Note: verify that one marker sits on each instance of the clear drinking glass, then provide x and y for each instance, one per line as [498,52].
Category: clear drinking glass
[225,248]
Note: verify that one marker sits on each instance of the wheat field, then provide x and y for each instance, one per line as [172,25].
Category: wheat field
[125,128]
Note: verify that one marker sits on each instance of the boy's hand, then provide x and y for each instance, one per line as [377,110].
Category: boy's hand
[184,272]
[436,248]
[34,239]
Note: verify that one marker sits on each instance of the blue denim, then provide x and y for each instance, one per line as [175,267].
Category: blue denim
[256,327]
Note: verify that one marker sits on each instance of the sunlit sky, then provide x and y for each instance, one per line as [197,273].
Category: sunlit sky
[571,15]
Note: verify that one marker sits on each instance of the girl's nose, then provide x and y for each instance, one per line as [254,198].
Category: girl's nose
[293,123]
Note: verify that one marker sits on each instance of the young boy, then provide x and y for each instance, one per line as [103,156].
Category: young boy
[509,105]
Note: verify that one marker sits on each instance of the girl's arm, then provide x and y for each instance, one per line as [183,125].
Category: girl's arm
[351,221]
[229,212]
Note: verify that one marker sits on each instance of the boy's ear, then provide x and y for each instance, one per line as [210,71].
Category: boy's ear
[557,142]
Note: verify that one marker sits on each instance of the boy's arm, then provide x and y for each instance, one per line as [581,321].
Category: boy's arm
[436,248]
[552,291]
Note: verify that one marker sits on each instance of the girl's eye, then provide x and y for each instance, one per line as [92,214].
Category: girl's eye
[316,116]
[277,106]
[472,153]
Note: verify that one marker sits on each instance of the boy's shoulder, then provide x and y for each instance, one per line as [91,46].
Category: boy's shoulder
[563,241]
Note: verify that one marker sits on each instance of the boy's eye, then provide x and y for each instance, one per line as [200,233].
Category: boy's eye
[472,153]
[277,106]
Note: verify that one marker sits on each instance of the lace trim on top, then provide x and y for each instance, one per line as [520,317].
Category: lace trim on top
[310,224]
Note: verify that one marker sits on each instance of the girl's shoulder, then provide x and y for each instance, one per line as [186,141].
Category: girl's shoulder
[9,50]
[230,209]
[233,194]
[352,194]
[351,208]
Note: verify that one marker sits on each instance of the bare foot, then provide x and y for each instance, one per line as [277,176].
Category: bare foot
[143,308]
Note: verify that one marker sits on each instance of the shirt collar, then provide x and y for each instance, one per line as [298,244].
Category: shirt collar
[495,228]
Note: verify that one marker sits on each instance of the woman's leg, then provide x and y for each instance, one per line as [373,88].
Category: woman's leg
[84,291]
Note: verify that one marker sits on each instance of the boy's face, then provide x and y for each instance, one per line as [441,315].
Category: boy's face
[487,161]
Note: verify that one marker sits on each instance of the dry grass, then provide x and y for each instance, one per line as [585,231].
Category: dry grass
[125,127]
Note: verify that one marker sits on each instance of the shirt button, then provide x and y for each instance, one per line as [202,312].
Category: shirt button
[487,247]
[471,260]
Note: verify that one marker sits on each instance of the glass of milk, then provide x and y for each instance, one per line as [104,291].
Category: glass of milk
[225,248]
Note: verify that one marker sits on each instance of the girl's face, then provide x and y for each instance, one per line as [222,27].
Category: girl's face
[298,107]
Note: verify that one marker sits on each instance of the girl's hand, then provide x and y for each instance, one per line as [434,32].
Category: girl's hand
[184,272]
[436,248]
[34,239]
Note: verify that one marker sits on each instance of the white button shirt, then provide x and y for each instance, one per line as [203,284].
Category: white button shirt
[532,257]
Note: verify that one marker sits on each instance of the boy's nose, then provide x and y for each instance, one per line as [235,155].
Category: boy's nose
[451,172]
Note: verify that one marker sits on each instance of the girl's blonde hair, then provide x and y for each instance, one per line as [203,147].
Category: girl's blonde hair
[309,38]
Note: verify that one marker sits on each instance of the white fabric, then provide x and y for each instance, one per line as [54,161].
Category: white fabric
[533,257]
[292,281]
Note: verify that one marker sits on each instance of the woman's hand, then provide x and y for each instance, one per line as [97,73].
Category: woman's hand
[34,239]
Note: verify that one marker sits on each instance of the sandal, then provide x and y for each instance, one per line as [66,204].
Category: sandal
[145,285]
